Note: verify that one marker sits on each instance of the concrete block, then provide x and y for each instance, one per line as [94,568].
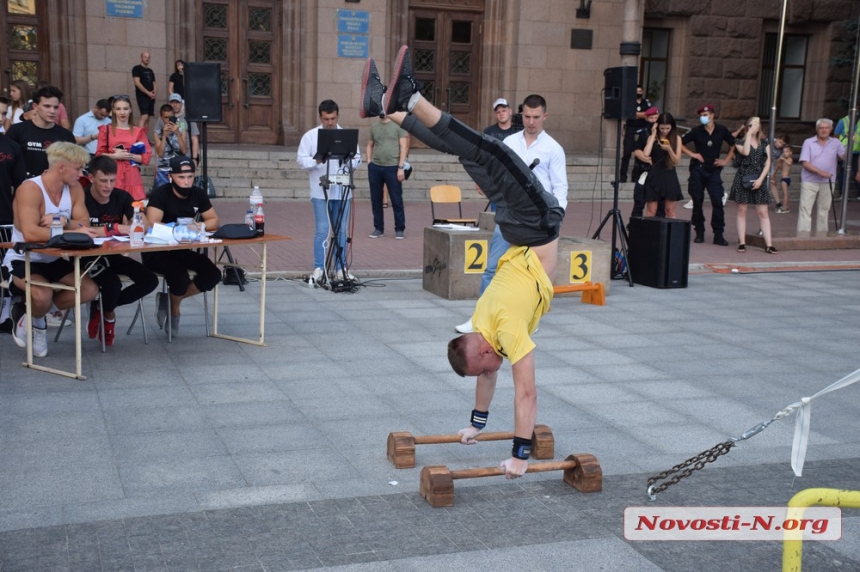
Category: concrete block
[487,221]
[447,253]
[581,259]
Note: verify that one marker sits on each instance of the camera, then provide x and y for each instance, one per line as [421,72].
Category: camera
[172,119]
[517,118]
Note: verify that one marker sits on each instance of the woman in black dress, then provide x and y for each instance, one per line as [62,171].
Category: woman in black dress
[754,152]
[664,148]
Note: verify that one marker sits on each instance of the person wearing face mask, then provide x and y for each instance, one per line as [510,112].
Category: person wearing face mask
[168,203]
[631,127]
[706,170]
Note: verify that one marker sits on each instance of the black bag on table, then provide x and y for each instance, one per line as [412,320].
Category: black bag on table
[65,241]
[234,230]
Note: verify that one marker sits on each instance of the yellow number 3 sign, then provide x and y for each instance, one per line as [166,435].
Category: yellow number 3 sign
[580,266]
[475,257]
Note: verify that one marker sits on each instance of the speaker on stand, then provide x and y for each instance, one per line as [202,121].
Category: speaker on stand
[203,102]
[619,103]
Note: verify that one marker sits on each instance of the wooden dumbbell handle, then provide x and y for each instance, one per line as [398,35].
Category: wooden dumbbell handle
[497,471]
[439,439]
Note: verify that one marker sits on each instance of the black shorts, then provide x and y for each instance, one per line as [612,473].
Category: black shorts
[146,104]
[50,271]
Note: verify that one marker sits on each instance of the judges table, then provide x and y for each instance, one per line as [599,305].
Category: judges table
[112,247]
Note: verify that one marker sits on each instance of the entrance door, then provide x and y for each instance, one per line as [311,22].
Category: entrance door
[244,37]
[446,55]
[23,42]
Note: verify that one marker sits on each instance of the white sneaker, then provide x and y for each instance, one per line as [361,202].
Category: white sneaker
[689,204]
[317,275]
[725,198]
[54,320]
[19,332]
[40,342]
[464,328]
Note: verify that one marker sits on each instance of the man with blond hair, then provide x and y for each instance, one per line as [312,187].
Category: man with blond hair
[55,193]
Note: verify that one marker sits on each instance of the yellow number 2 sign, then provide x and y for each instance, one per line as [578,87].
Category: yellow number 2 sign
[580,266]
[476,257]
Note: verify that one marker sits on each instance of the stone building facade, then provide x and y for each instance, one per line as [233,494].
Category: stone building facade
[280,58]
[723,53]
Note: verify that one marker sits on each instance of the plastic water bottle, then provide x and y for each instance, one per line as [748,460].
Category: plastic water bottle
[256,198]
[56,226]
[259,220]
[137,230]
[249,218]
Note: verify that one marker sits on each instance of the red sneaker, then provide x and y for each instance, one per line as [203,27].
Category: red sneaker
[109,332]
[95,320]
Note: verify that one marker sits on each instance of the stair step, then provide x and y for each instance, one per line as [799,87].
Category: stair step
[275,170]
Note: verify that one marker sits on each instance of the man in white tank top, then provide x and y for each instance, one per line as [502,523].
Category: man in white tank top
[37,200]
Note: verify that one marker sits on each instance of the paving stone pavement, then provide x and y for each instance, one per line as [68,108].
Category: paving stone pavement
[209,455]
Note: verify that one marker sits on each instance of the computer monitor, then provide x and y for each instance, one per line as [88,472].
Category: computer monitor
[336,144]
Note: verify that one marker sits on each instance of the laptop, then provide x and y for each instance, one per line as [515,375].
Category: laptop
[336,144]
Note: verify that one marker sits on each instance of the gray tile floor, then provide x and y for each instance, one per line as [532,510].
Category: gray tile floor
[207,455]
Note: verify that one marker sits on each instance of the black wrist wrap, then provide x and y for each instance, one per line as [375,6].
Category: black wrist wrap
[479,418]
[522,448]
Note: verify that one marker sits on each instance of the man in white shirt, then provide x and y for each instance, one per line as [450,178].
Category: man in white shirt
[86,129]
[335,206]
[531,144]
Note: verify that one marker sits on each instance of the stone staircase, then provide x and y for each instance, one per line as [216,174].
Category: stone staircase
[235,170]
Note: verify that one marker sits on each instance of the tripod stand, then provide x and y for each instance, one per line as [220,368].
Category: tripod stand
[614,214]
[335,260]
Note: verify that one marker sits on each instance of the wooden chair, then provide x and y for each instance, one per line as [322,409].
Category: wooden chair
[448,194]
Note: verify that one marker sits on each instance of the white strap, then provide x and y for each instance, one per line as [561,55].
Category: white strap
[804,413]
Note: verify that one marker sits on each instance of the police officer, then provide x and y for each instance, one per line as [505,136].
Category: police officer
[630,129]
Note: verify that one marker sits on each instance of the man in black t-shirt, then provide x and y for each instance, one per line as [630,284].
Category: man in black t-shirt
[168,203]
[111,213]
[504,124]
[12,174]
[706,170]
[35,136]
[145,90]
[630,128]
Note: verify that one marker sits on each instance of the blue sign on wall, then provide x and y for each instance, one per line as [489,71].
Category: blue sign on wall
[353,46]
[353,22]
[124,9]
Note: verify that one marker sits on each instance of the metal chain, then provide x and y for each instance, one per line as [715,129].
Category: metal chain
[697,462]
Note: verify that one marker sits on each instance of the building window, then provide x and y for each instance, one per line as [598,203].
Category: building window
[22,48]
[654,64]
[789,98]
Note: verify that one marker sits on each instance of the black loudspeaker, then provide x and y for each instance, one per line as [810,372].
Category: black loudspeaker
[203,92]
[659,251]
[619,97]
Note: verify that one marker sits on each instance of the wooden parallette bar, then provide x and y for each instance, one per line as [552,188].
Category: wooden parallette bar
[581,471]
[401,444]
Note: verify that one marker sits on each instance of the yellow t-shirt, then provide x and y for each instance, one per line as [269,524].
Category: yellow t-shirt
[511,307]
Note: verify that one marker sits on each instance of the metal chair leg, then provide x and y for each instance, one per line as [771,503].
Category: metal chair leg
[62,325]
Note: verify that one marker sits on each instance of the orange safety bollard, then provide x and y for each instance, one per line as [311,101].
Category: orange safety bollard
[591,293]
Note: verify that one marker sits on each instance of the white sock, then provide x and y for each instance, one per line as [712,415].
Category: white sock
[413,101]
[40,323]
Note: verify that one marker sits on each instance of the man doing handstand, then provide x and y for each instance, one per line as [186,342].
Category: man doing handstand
[510,308]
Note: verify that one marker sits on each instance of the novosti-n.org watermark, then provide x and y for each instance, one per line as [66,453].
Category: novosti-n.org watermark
[732,523]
